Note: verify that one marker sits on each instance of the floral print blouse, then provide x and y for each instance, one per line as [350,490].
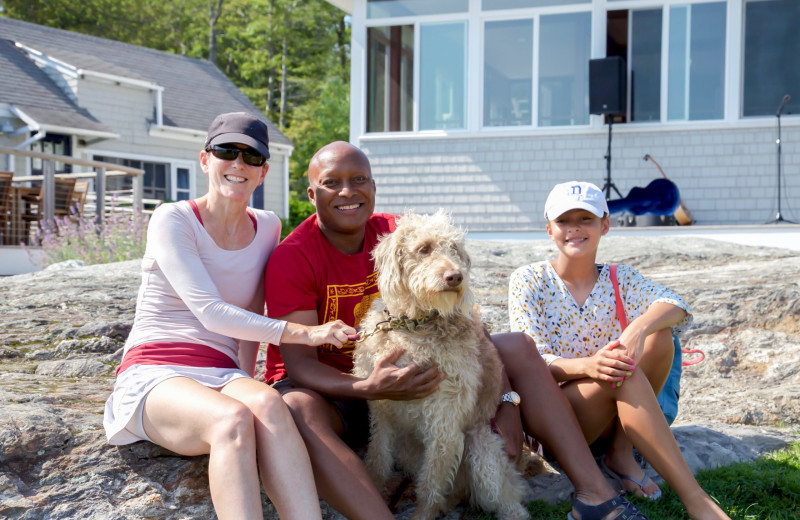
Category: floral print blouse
[540,305]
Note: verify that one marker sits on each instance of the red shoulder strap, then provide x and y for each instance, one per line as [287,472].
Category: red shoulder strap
[623,321]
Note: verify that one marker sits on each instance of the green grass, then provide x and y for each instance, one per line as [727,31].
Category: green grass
[764,489]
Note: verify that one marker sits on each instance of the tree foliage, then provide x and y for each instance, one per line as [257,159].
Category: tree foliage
[290,57]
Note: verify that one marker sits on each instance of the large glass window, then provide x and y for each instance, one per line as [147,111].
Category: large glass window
[387,8]
[771,50]
[564,53]
[696,86]
[491,5]
[508,73]
[645,60]
[443,69]
[390,78]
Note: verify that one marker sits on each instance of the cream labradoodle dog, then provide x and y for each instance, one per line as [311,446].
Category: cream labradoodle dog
[444,441]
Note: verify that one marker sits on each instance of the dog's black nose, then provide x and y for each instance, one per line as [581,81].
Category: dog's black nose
[453,278]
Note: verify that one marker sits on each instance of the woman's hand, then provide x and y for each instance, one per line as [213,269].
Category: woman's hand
[335,333]
[611,364]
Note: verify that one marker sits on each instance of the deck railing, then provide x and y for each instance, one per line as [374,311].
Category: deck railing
[98,177]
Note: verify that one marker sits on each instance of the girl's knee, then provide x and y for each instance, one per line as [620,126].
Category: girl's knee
[515,347]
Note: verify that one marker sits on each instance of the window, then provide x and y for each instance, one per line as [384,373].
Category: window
[491,5]
[155,179]
[771,50]
[182,184]
[565,48]
[645,65]
[696,85]
[390,78]
[389,8]
[443,80]
[508,73]
[695,70]
[54,144]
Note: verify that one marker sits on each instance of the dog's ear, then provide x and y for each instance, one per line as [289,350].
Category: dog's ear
[388,256]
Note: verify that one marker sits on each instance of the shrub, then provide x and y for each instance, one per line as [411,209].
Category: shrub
[121,237]
[299,210]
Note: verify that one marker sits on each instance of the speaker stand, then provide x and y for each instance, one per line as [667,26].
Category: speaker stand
[778,217]
[608,186]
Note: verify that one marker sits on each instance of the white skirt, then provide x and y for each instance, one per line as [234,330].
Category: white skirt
[122,419]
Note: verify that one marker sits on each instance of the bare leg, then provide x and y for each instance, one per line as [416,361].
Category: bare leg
[644,424]
[341,477]
[282,457]
[548,416]
[188,418]
[656,362]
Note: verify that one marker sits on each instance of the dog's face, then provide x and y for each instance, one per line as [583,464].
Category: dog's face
[423,266]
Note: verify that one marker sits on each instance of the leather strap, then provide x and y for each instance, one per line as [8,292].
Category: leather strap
[623,321]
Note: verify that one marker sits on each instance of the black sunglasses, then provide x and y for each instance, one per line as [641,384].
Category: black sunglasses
[230,153]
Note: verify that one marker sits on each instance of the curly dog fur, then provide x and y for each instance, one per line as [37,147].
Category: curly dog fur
[444,441]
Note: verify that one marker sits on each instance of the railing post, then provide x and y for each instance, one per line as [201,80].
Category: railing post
[100,196]
[48,190]
[138,193]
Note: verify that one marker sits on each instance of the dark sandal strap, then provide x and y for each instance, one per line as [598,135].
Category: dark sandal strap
[627,510]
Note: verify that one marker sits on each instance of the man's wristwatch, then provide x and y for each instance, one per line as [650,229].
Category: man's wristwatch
[511,397]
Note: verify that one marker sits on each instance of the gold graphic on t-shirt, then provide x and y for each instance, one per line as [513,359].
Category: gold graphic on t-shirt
[367,292]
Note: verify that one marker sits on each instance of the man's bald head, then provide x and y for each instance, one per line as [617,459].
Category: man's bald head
[332,154]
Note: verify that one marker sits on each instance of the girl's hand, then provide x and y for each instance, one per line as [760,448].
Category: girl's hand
[611,364]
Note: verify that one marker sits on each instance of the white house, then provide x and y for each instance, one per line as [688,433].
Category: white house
[91,98]
[481,106]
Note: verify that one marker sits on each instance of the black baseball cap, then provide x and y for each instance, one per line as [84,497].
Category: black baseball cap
[239,127]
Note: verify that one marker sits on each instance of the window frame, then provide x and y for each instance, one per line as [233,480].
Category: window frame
[171,174]
[476,19]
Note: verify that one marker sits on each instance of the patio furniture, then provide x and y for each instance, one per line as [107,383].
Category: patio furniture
[6,199]
[32,203]
[78,199]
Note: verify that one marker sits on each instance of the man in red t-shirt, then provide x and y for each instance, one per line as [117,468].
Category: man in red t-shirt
[324,271]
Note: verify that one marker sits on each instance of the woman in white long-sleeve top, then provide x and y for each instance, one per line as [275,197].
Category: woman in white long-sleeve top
[185,381]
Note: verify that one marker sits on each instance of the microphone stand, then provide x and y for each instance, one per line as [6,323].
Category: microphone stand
[778,216]
[608,185]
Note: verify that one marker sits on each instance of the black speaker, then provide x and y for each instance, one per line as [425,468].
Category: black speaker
[607,85]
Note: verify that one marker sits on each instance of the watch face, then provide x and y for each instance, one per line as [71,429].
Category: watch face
[512,397]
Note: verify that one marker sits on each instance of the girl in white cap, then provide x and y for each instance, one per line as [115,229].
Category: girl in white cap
[611,377]
[186,377]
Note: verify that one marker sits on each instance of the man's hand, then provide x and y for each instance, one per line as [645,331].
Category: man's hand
[388,381]
[508,423]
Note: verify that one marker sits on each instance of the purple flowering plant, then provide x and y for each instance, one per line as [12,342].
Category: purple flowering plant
[122,236]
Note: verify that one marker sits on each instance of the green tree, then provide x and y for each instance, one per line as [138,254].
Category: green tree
[290,57]
[321,120]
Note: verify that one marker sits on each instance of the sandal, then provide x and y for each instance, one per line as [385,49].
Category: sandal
[627,511]
[619,477]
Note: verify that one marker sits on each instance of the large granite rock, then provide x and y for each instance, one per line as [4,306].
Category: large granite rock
[62,331]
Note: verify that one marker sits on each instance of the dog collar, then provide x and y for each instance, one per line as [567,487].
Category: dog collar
[402,322]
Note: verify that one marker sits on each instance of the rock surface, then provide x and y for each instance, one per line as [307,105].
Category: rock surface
[62,330]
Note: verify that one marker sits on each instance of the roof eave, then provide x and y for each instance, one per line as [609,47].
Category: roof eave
[344,5]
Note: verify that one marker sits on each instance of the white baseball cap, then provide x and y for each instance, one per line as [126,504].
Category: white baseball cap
[574,195]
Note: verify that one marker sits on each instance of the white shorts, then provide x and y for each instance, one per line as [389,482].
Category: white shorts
[122,419]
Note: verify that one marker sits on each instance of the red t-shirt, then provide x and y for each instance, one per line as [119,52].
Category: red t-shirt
[305,272]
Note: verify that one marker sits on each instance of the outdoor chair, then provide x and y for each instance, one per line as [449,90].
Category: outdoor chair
[78,199]
[33,202]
